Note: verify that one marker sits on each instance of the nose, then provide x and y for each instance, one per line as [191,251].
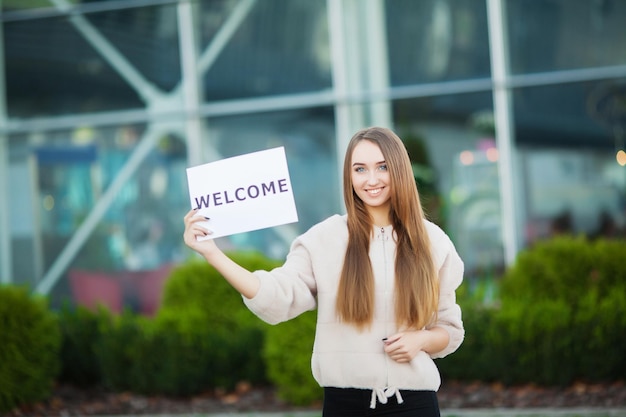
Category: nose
[372,178]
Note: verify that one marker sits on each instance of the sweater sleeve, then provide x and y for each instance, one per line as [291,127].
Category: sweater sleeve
[449,314]
[286,291]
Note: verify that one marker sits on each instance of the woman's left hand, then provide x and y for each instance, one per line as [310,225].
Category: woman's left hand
[403,347]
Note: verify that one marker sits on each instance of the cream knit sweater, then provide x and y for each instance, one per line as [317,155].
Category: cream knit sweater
[343,356]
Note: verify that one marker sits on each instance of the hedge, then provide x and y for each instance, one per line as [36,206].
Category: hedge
[559,316]
[29,348]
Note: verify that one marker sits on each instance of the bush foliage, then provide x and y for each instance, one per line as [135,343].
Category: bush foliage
[169,355]
[199,289]
[203,337]
[81,331]
[561,318]
[287,353]
[558,316]
[29,348]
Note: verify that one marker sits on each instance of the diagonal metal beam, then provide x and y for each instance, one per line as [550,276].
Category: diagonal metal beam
[194,67]
[226,32]
[148,92]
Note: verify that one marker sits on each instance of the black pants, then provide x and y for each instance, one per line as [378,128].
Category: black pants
[351,402]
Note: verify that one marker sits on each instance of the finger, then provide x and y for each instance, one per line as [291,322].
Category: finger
[198,230]
[191,213]
[392,339]
[196,219]
[391,350]
[193,229]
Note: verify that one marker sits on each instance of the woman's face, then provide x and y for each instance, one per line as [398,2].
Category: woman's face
[370,177]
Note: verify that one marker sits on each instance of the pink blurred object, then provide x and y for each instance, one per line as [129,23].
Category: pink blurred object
[93,289]
[486,143]
[148,287]
[138,290]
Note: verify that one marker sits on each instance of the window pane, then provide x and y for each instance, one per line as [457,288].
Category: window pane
[548,35]
[568,138]
[59,65]
[576,114]
[22,212]
[432,40]
[573,191]
[451,142]
[280,48]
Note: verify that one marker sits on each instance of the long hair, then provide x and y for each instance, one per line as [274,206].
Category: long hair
[416,284]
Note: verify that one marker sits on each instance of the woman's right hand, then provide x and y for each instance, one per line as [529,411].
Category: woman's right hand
[240,278]
[193,230]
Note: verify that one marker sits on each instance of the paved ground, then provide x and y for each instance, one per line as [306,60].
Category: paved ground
[455,399]
[537,412]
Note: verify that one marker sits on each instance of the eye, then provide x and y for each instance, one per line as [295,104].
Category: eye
[382,167]
[359,169]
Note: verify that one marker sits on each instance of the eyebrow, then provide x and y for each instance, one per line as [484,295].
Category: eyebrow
[362,163]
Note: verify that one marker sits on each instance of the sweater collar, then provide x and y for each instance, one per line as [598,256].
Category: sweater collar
[383,232]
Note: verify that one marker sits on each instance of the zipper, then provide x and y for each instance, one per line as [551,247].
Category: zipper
[385,277]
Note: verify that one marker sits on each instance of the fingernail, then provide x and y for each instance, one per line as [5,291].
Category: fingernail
[208,218]
[384,339]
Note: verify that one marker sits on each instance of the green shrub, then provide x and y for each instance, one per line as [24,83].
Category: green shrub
[196,284]
[609,274]
[117,351]
[536,341]
[477,357]
[559,268]
[197,287]
[188,356]
[81,333]
[287,352]
[562,315]
[136,354]
[176,353]
[29,348]
[599,327]
[239,345]
[202,337]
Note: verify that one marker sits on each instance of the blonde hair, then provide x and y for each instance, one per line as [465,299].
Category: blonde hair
[416,284]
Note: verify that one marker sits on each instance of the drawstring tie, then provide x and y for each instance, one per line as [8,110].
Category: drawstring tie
[383,394]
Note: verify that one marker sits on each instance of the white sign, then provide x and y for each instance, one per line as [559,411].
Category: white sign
[243,193]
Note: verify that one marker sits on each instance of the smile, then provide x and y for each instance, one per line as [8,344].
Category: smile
[374,191]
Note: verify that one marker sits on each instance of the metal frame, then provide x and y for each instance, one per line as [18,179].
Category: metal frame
[504,126]
[354,84]
[6,261]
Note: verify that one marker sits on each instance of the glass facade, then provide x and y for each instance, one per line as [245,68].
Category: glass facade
[555,35]
[432,41]
[264,57]
[104,104]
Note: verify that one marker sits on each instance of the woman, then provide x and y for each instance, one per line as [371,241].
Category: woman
[382,278]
